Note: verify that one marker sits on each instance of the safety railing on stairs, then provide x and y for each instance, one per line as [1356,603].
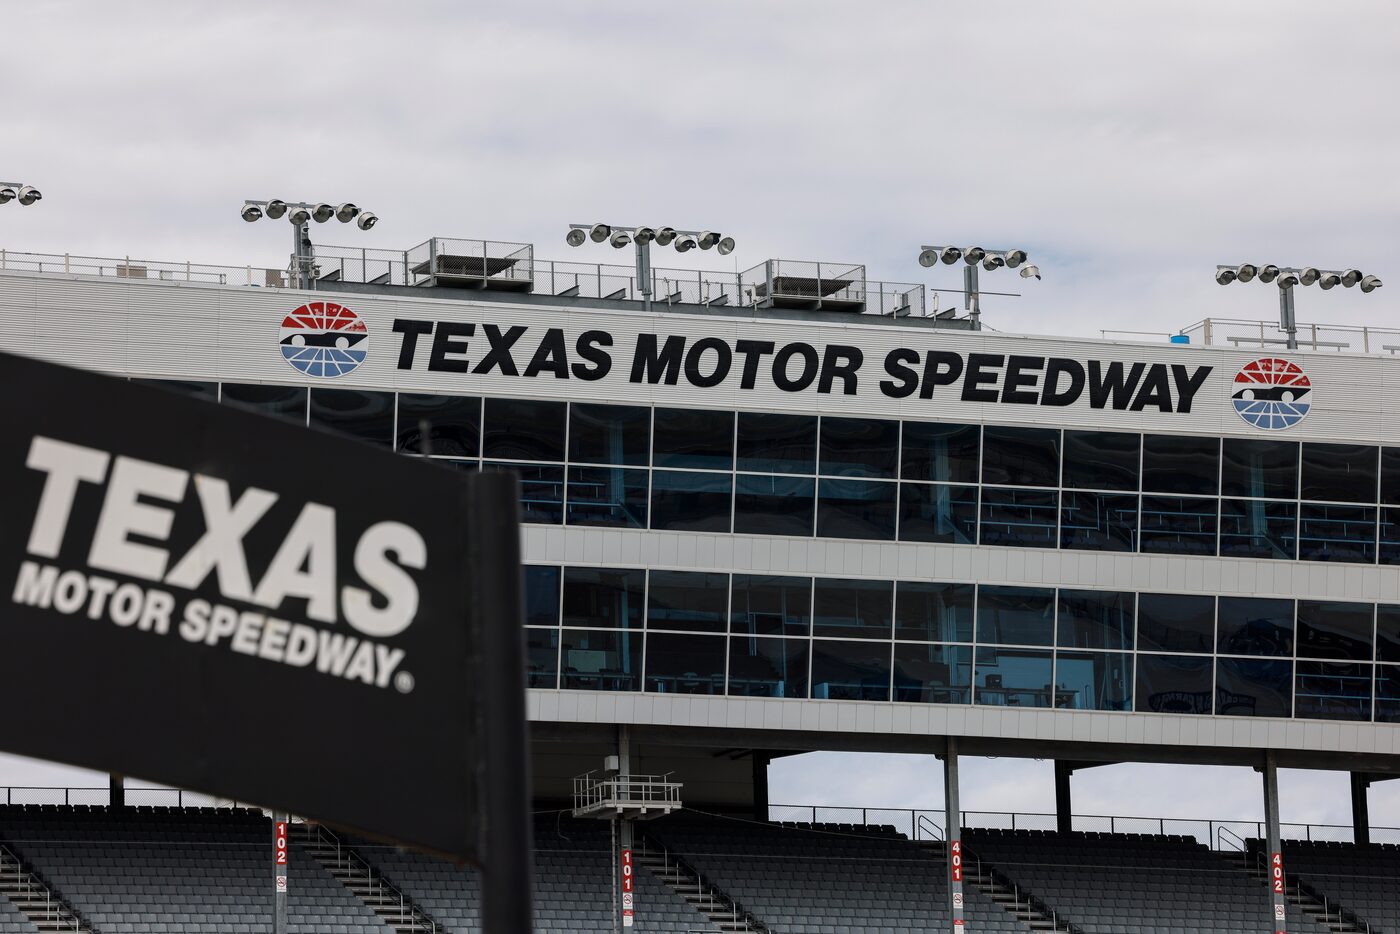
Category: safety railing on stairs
[56,915]
[407,916]
[1021,898]
[710,899]
[1302,890]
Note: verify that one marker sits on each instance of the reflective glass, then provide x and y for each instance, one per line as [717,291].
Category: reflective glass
[1094,680]
[932,674]
[931,512]
[604,597]
[1178,525]
[609,434]
[1340,472]
[1013,677]
[1388,633]
[1258,469]
[856,509]
[1175,622]
[761,667]
[1095,619]
[860,609]
[850,670]
[691,502]
[542,657]
[774,505]
[777,443]
[767,605]
[1332,629]
[1337,533]
[932,612]
[1021,456]
[684,664]
[541,595]
[688,600]
[1389,552]
[1333,691]
[524,430]
[693,438]
[939,452]
[1255,626]
[1258,528]
[1173,684]
[1390,476]
[453,424]
[613,496]
[1253,687]
[1101,460]
[858,447]
[1016,615]
[601,660]
[368,416]
[199,390]
[541,491]
[287,402]
[1019,518]
[1181,464]
[1098,521]
[1388,693]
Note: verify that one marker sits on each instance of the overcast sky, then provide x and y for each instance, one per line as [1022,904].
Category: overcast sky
[1127,147]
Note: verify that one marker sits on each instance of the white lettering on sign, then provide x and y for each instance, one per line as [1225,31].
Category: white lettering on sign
[1276,873]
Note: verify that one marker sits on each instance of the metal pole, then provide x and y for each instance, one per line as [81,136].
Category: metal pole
[1064,823]
[644,272]
[1277,886]
[953,817]
[1360,809]
[972,298]
[116,790]
[279,844]
[624,854]
[1288,321]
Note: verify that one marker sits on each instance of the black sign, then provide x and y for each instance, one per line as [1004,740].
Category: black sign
[220,601]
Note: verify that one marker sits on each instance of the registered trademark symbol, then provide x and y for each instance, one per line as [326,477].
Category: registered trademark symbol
[403,682]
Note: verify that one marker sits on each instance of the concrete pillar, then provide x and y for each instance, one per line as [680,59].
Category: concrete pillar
[1360,809]
[624,828]
[761,761]
[1277,879]
[280,823]
[953,821]
[116,790]
[1063,803]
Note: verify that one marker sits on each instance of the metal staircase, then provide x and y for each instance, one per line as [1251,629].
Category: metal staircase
[364,880]
[1021,905]
[36,900]
[681,878]
[1313,904]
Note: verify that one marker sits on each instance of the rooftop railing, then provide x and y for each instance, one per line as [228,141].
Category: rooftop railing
[128,268]
[1338,338]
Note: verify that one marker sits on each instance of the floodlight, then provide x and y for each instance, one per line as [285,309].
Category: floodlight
[28,195]
[1268,273]
[1247,272]
[1224,276]
[275,209]
[322,213]
[366,220]
[7,195]
[973,255]
[950,255]
[644,235]
[708,239]
[298,216]
[1015,258]
[251,212]
[599,232]
[993,261]
[1287,280]
[1329,279]
[665,235]
[575,237]
[684,243]
[1350,277]
[1309,275]
[620,239]
[1030,272]
[928,257]
[725,246]
[1370,284]
[346,212]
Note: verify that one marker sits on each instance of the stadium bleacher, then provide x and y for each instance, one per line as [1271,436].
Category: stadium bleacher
[1363,879]
[12,921]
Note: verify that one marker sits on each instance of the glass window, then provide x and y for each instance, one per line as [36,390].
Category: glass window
[1390,535]
[464,465]
[933,612]
[685,664]
[774,505]
[1253,687]
[604,597]
[1332,629]
[206,391]
[859,609]
[932,674]
[761,667]
[1343,473]
[453,424]
[1258,528]
[1388,693]
[1173,684]
[1021,456]
[1388,633]
[1333,691]
[1094,680]
[1178,525]
[1181,464]
[1019,518]
[524,430]
[601,660]
[1390,476]
[1013,677]
[1337,533]
[936,512]
[1016,615]
[1255,626]
[542,657]
[856,509]
[1101,460]
[287,402]
[858,447]
[1259,469]
[687,600]
[943,453]
[541,492]
[765,605]
[541,595]
[1098,521]
[777,443]
[609,434]
[1095,619]
[691,502]
[693,438]
[1175,622]
[613,496]
[368,416]
[850,670]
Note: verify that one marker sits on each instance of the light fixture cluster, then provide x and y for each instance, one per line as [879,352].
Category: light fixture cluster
[299,213]
[24,194]
[619,237]
[990,259]
[1288,276]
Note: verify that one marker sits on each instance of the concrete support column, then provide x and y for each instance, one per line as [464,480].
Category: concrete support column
[279,842]
[1277,879]
[116,790]
[1063,803]
[1360,808]
[761,761]
[953,821]
[624,828]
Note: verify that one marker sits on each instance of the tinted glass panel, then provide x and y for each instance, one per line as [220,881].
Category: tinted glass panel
[856,509]
[774,505]
[1173,684]
[453,424]
[603,597]
[601,660]
[687,600]
[777,443]
[1098,521]
[1390,476]
[767,667]
[685,664]
[932,674]
[1255,626]
[542,657]
[207,391]
[1337,533]
[368,416]
[1013,677]
[1258,528]
[1101,460]
[541,595]
[945,453]
[859,447]
[1175,622]
[1388,693]
[287,402]
[1020,518]
[1181,464]
[1342,472]
[1095,619]
[1257,469]
[608,496]
[524,429]
[1388,633]
[1253,687]
[1178,525]
[931,512]
[1333,691]
[772,605]
[850,670]
[691,502]
[1390,535]
[933,612]
[1330,629]
[609,434]
[693,438]
[857,608]
[1016,615]
[541,492]
[1021,456]
[1094,680]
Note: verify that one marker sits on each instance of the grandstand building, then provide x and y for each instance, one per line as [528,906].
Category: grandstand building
[783,510]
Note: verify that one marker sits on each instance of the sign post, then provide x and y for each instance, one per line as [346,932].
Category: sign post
[953,817]
[279,845]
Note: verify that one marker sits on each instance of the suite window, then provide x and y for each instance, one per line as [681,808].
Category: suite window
[1019,518]
[1174,684]
[932,674]
[694,439]
[760,667]
[368,416]
[777,443]
[1021,456]
[1255,626]
[1095,619]
[858,609]
[1344,473]
[767,505]
[1388,633]
[1333,691]
[1389,551]
[604,597]
[1013,677]
[609,434]
[1098,521]
[1258,528]
[850,670]
[1016,615]
[541,595]
[1181,464]
[1101,460]
[287,402]
[524,430]
[932,612]
[687,600]
[941,453]
[601,660]
[685,664]
[862,509]
[1260,469]
[1390,476]
[690,501]
[859,447]
[1094,680]
[1175,622]
[1178,525]
[1333,629]
[452,424]
[1388,693]
[1328,532]
[541,491]
[1253,687]
[937,512]
[611,496]
[767,605]
[542,657]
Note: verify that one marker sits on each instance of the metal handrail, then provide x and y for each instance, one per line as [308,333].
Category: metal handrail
[409,914]
[714,899]
[55,912]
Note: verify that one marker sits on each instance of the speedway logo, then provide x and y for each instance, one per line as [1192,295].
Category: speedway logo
[1272,393]
[324,339]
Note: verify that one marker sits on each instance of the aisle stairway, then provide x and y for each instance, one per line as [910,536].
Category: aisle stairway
[708,900]
[31,905]
[367,883]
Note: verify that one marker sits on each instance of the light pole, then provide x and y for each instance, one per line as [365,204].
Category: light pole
[17,191]
[301,214]
[990,259]
[1289,276]
[641,238]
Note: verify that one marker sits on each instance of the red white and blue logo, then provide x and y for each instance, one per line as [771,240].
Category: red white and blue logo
[1272,394]
[324,339]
